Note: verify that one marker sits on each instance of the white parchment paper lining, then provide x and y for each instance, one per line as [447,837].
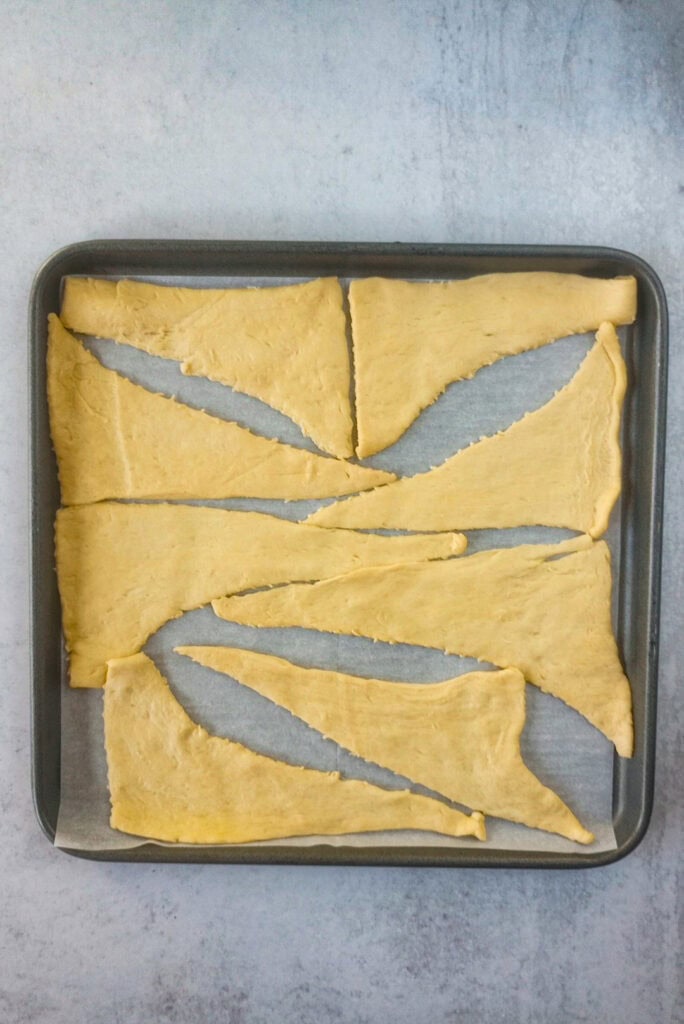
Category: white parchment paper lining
[558,745]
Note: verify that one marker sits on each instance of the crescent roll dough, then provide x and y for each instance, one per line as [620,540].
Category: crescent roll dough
[126,569]
[542,608]
[460,738]
[170,780]
[412,339]
[285,345]
[114,439]
[558,466]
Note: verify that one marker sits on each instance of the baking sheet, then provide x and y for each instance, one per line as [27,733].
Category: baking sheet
[558,745]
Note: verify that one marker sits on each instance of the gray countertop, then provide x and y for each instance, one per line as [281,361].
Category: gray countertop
[556,122]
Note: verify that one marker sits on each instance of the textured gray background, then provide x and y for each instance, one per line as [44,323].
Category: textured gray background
[472,121]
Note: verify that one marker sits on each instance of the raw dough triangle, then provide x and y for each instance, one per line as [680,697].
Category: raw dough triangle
[284,345]
[460,738]
[171,780]
[558,466]
[115,439]
[412,339]
[126,569]
[542,608]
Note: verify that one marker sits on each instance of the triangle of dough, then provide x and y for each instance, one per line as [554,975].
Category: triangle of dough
[284,345]
[171,780]
[545,609]
[558,466]
[460,738]
[412,339]
[126,569]
[115,439]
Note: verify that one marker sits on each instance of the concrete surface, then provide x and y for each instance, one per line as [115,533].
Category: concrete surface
[467,121]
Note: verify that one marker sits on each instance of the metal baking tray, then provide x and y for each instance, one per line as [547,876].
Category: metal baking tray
[638,583]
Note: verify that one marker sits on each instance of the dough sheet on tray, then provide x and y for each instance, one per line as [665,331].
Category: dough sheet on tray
[567,753]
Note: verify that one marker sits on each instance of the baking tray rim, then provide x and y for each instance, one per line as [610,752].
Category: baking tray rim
[170,255]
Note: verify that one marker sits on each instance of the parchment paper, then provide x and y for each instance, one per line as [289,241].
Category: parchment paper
[558,745]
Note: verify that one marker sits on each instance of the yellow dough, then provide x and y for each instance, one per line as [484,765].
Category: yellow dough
[171,780]
[114,439]
[558,466]
[412,339]
[126,569]
[542,608]
[460,738]
[284,345]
